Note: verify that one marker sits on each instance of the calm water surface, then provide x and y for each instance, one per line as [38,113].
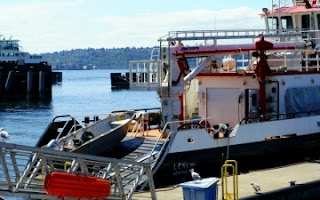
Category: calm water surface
[81,92]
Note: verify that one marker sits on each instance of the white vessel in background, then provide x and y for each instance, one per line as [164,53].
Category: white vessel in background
[10,53]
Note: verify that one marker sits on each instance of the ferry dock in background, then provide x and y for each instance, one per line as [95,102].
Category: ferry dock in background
[27,80]
[23,74]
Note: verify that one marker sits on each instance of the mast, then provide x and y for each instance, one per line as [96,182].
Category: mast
[261,70]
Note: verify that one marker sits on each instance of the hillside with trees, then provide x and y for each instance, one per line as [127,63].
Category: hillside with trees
[115,58]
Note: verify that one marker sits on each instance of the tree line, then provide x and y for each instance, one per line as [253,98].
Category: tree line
[103,58]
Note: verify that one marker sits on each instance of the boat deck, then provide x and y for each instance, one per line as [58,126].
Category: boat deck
[150,133]
[270,180]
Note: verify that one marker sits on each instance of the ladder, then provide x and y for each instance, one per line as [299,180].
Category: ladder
[23,170]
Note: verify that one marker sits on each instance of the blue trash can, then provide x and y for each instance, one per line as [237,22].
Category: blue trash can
[204,189]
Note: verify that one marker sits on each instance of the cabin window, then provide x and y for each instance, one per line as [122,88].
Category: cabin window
[287,23]
[305,22]
[254,100]
[273,23]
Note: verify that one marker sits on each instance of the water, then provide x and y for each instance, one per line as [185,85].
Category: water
[81,92]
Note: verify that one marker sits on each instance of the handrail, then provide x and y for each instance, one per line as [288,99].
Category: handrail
[163,131]
[224,182]
[23,168]
[229,34]
[137,126]
[65,124]
[138,109]
[77,123]
[291,60]
[173,126]
[282,116]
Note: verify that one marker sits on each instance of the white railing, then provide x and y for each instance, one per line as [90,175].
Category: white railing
[278,60]
[294,60]
[23,170]
[144,75]
[228,34]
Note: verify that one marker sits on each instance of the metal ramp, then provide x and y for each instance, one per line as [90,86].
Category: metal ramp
[23,170]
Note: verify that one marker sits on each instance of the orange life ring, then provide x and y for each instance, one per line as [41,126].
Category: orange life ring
[206,124]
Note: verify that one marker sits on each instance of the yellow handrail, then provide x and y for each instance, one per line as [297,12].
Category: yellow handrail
[224,175]
[67,163]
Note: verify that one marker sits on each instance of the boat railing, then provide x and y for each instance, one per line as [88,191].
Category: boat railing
[144,74]
[78,121]
[293,60]
[171,128]
[23,171]
[282,116]
[278,61]
[233,34]
[65,125]
[153,158]
[143,120]
[65,122]
[139,123]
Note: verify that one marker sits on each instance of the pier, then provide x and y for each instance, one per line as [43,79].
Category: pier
[27,80]
[296,181]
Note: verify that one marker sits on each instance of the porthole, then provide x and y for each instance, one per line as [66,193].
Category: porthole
[190,140]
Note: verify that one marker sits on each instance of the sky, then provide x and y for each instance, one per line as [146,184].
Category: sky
[45,26]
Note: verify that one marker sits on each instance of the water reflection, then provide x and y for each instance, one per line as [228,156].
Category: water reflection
[8,103]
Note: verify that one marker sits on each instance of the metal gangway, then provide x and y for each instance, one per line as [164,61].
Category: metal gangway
[23,170]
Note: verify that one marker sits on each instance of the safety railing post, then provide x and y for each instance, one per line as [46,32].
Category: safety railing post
[224,175]
[5,169]
[151,183]
[118,180]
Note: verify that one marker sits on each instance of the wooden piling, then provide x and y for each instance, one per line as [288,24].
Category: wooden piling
[9,81]
[29,82]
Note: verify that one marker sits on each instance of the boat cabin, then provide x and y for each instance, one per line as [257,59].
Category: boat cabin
[300,15]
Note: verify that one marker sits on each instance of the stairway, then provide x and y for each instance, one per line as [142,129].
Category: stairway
[143,152]
[129,178]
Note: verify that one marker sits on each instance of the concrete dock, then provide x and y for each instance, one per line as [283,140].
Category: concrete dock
[271,181]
